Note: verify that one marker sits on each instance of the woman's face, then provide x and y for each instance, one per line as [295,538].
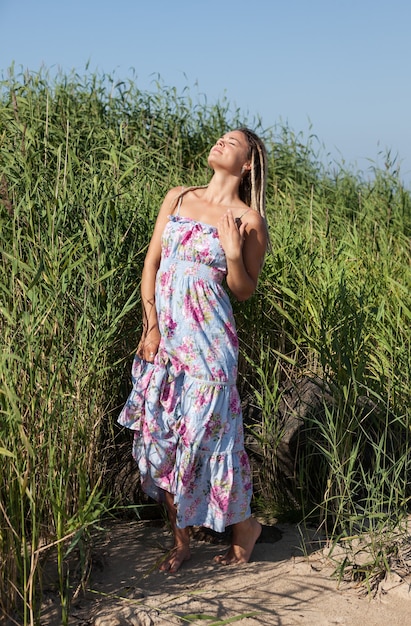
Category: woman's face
[230,152]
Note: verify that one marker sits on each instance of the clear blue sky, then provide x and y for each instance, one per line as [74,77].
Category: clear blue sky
[339,69]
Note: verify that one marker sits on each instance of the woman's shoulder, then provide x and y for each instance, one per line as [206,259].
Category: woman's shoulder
[190,193]
[253,217]
[255,224]
[174,192]
[171,199]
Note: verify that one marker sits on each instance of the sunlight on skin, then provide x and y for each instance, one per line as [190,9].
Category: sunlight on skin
[245,535]
[181,550]
[174,559]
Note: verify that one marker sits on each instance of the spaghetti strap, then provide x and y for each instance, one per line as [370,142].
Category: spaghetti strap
[242,214]
[238,219]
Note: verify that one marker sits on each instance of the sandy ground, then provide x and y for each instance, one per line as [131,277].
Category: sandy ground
[282,585]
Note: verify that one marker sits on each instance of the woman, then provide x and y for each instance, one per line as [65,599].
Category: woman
[184,405]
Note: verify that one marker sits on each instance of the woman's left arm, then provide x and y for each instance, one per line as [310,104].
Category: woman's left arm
[244,247]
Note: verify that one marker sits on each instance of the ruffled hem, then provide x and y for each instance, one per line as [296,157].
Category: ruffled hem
[189,441]
[134,408]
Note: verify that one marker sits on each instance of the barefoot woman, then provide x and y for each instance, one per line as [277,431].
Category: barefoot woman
[184,405]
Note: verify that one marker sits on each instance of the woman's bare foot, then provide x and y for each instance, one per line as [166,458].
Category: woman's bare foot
[181,550]
[174,559]
[245,534]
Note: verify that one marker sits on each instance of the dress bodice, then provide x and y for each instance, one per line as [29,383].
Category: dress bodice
[185,239]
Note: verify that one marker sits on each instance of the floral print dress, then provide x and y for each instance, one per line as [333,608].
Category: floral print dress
[185,407]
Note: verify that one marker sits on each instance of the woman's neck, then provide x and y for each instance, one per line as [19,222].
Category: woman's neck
[222,189]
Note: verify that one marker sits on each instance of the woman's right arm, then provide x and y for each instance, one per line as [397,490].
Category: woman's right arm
[150,338]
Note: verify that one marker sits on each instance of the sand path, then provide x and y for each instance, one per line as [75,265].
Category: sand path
[280,586]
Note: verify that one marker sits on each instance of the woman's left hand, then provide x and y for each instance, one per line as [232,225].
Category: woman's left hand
[231,236]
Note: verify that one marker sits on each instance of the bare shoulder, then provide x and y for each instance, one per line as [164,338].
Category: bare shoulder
[172,195]
[256,241]
[253,216]
[170,201]
[253,220]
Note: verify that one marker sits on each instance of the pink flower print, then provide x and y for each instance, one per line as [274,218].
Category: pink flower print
[192,311]
[170,325]
[188,475]
[201,400]
[165,282]
[164,278]
[187,237]
[219,374]
[167,479]
[235,404]
[184,435]
[192,270]
[232,336]
[219,497]
[168,397]
[205,252]
[213,426]
[193,507]
[188,349]
[244,463]
[146,431]
[166,250]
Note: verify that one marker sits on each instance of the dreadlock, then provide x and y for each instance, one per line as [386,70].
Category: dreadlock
[254,182]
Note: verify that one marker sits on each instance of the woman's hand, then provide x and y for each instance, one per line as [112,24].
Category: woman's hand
[148,346]
[244,245]
[231,236]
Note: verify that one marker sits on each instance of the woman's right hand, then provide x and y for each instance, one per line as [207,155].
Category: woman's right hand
[148,346]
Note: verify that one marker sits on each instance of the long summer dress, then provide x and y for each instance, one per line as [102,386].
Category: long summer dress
[185,407]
